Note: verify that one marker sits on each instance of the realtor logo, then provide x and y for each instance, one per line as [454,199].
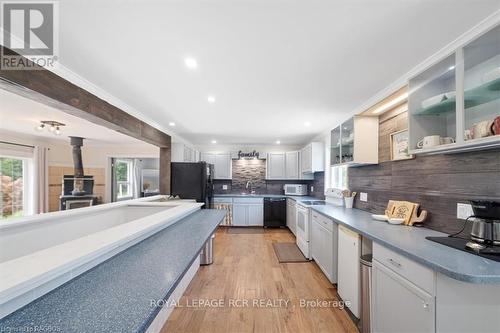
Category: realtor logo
[29,29]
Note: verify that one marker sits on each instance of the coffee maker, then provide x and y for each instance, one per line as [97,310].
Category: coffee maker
[485,224]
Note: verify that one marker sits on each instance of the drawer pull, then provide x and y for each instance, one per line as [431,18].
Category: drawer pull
[394,263]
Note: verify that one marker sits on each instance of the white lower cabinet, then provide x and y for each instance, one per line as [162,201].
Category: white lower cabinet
[348,284]
[248,212]
[398,305]
[324,245]
[239,215]
[403,293]
[255,215]
[291,212]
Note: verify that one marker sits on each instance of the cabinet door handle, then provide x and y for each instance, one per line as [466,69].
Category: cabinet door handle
[425,305]
[395,263]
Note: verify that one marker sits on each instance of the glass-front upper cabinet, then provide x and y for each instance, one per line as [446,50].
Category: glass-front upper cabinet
[482,86]
[335,146]
[347,141]
[432,106]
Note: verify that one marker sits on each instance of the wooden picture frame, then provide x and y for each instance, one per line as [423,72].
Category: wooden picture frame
[400,146]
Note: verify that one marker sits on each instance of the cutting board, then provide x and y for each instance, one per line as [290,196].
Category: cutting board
[406,210]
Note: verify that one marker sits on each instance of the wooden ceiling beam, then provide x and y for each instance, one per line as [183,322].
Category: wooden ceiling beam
[48,88]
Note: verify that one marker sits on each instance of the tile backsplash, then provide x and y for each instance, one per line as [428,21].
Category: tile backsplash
[254,170]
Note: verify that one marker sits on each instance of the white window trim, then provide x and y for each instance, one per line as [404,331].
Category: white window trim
[130,179]
[28,179]
[338,185]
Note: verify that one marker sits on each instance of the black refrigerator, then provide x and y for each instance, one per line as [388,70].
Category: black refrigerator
[192,181]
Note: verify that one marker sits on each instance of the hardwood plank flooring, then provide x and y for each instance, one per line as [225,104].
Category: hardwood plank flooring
[246,268]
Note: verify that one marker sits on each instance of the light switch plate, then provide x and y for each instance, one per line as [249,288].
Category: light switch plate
[224,187]
[464,211]
[363,196]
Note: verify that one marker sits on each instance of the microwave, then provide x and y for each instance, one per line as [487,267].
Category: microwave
[295,189]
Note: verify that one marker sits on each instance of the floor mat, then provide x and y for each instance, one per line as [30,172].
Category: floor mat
[288,252]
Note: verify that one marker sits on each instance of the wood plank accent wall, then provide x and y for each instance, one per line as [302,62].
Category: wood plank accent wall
[437,182]
[48,88]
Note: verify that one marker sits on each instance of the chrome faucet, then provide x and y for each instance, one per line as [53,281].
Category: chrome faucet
[249,185]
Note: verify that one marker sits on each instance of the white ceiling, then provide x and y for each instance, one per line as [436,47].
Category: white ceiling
[271,64]
[22,115]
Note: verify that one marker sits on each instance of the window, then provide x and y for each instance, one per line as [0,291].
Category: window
[338,178]
[124,178]
[14,191]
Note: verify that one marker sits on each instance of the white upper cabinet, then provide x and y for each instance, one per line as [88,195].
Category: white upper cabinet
[355,142]
[454,105]
[222,164]
[292,165]
[283,165]
[276,166]
[312,158]
[183,153]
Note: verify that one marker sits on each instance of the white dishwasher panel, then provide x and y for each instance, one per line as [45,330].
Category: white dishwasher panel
[348,284]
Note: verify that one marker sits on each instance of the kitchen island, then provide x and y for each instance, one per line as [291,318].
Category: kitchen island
[126,292]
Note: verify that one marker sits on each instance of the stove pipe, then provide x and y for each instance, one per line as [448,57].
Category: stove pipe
[77,143]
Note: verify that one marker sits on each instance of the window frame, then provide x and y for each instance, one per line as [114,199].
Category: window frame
[129,182]
[28,203]
[339,177]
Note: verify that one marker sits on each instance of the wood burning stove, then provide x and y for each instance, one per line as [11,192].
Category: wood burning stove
[78,189]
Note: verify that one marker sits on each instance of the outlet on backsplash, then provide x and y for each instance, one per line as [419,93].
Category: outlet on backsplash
[224,187]
[312,188]
[464,211]
[363,196]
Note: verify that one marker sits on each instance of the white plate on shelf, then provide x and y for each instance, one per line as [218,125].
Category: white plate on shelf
[431,101]
[491,75]
[380,217]
[395,220]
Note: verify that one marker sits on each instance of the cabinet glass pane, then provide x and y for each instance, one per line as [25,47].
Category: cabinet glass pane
[335,146]
[482,86]
[432,106]
[347,140]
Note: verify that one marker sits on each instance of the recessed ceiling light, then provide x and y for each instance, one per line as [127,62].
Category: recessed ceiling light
[278,142]
[171,124]
[211,99]
[307,124]
[214,141]
[191,63]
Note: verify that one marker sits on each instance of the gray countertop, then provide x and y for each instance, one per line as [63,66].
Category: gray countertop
[411,242]
[116,295]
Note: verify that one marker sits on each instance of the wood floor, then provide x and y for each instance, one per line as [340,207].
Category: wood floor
[246,268]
